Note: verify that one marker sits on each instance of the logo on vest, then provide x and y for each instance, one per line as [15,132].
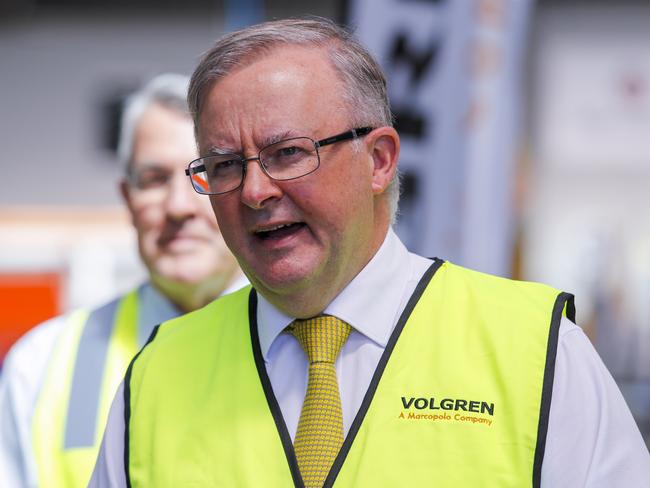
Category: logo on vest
[447,410]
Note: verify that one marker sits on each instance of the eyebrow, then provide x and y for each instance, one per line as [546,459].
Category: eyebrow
[281,136]
[267,141]
[148,164]
[217,151]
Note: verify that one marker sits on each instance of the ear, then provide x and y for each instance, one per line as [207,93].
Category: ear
[125,191]
[383,144]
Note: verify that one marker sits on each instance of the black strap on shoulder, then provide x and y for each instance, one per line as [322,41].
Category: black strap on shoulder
[570,307]
[562,300]
[127,406]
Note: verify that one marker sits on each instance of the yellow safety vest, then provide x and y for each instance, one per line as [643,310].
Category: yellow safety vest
[460,397]
[89,361]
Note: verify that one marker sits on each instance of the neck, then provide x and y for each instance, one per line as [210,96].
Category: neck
[191,296]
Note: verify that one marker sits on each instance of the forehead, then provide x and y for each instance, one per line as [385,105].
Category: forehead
[162,135]
[290,90]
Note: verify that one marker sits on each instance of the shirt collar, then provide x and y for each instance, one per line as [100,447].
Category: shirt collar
[154,307]
[366,303]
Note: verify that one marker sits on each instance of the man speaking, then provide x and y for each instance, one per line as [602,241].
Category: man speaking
[350,361]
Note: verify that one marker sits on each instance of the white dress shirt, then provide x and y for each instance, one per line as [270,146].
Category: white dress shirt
[23,375]
[590,424]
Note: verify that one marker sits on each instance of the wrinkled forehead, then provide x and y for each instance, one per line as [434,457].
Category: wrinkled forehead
[289,90]
[314,58]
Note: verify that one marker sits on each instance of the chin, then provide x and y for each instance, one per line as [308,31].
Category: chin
[181,269]
[284,278]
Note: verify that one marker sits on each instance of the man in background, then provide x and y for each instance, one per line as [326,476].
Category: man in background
[59,379]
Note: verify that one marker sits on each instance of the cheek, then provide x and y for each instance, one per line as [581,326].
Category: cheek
[148,219]
[207,215]
[226,218]
[343,202]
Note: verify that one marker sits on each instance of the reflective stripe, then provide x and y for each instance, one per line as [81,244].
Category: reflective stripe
[48,424]
[87,377]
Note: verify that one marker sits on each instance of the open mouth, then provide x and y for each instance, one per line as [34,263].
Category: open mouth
[280,231]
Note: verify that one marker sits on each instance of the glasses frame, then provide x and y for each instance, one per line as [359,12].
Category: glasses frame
[343,136]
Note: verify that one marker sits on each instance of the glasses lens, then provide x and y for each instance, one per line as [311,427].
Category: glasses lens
[199,177]
[216,174]
[290,159]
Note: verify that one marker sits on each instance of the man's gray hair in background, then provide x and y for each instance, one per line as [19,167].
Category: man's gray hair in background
[168,90]
[363,80]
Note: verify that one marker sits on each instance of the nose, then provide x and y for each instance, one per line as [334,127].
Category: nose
[258,188]
[181,200]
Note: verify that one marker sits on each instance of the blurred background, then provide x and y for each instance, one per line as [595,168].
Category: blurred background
[526,132]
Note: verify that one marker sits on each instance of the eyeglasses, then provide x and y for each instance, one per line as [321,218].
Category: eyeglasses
[284,160]
[148,177]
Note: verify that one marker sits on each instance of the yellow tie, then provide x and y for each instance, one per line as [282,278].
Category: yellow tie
[320,429]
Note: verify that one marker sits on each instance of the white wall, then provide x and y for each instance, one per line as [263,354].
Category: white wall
[587,222]
[55,74]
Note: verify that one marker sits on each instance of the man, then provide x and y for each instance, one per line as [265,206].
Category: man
[59,379]
[351,362]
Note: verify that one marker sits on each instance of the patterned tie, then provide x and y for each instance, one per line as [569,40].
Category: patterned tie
[320,429]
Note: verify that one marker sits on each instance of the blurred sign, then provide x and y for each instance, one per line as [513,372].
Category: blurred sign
[588,230]
[593,76]
[454,72]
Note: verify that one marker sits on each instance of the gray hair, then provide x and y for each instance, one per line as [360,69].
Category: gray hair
[168,90]
[362,77]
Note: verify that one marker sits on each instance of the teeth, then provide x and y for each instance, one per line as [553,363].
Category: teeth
[274,228]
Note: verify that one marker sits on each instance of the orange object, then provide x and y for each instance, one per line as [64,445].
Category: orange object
[201,182]
[26,299]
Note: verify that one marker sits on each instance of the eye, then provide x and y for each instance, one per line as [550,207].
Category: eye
[220,168]
[150,178]
[288,151]
[288,154]
[225,164]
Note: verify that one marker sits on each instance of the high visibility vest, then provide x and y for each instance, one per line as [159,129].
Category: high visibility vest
[460,397]
[89,361]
